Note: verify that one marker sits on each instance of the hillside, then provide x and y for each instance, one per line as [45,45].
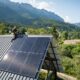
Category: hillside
[78,24]
[24,13]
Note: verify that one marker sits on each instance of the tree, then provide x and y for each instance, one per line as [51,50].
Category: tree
[64,35]
[54,32]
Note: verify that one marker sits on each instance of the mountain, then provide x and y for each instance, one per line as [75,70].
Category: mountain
[24,13]
[78,24]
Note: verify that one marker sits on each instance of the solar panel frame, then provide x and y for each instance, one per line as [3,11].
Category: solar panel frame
[29,53]
[37,75]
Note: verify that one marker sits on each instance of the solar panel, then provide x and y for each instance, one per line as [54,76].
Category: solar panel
[25,55]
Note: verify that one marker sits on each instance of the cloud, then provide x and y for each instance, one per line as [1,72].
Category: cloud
[45,5]
[67,19]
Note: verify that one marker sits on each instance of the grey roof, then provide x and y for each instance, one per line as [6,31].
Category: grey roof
[10,76]
[5,44]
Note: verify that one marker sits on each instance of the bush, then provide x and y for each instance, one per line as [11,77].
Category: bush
[71,59]
[42,75]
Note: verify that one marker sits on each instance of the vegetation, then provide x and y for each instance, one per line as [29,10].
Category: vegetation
[70,59]
[70,54]
[42,75]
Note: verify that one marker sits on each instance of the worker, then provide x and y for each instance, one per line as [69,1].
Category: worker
[15,33]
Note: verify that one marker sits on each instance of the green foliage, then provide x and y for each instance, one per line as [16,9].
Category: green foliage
[42,75]
[70,50]
[54,32]
[4,28]
[37,31]
[74,35]
[66,50]
[71,59]
[76,50]
[22,30]
[64,35]
[71,66]
[70,35]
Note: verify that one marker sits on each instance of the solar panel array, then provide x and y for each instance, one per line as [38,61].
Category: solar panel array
[24,56]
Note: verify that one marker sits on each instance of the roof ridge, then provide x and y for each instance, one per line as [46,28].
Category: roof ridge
[28,35]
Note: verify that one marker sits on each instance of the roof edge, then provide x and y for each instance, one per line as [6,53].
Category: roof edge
[29,36]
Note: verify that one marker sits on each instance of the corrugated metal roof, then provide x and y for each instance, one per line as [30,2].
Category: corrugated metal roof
[5,44]
[9,76]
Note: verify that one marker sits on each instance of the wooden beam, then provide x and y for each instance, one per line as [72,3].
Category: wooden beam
[65,77]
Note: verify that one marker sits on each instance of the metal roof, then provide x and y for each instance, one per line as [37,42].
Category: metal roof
[10,76]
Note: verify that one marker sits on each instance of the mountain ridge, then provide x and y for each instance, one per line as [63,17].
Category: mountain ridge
[78,24]
[24,13]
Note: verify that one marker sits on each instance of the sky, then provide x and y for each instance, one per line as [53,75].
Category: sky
[69,10]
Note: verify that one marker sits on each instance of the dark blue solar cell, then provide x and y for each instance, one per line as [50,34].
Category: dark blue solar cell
[31,65]
[17,44]
[40,45]
[17,62]
[28,44]
[7,60]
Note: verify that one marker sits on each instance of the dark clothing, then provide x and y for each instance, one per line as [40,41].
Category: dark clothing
[14,30]
[15,36]
[15,33]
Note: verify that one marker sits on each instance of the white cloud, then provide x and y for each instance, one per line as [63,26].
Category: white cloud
[67,19]
[45,5]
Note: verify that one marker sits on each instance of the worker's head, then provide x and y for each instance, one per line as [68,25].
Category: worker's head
[14,27]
